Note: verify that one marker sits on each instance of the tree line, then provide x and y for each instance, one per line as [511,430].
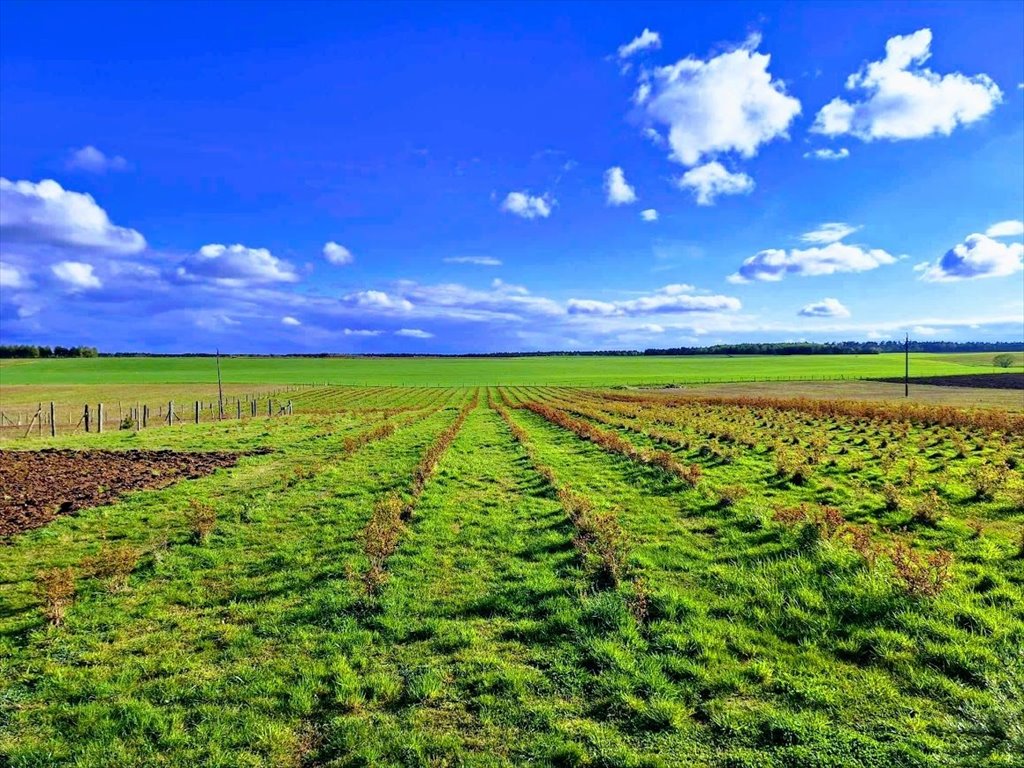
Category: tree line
[34,351]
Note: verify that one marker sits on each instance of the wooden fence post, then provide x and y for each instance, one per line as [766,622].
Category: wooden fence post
[170,413]
[85,416]
[99,417]
[53,421]
[270,407]
[197,411]
[145,416]
[238,408]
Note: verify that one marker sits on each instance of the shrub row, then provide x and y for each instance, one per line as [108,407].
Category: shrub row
[615,443]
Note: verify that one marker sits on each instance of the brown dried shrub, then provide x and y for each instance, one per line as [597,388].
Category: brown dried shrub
[56,588]
[929,509]
[921,575]
[728,495]
[115,564]
[202,518]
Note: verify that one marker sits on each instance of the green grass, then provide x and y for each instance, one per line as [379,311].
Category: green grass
[588,371]
[490,642]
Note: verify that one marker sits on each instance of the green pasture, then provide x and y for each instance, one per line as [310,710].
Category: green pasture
[513,371]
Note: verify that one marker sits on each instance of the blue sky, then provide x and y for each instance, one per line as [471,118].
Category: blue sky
[485,177]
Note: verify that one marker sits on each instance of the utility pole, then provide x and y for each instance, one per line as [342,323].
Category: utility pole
[906,367]
[220,388]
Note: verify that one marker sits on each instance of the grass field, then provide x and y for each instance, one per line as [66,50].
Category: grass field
[520,371]
[535,576]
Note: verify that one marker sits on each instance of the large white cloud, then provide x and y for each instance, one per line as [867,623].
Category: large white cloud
[902,99]
[825,308]
[414,333]
[617,189]
[774,264]
[90,159]
[379,301]
[47,214]
[710,180]
[667,300]
[729,103]
[337,254]
[527,206]
[977,256]
[76,275]
[11,276]
[235,266]
[642,42]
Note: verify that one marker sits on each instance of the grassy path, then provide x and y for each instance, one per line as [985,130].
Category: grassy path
[471,623]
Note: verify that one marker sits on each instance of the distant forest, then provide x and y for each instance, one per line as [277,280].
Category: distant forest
[31,350]
[785,348]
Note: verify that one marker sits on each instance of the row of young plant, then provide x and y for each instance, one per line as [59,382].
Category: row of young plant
[599,539]
[797,456]
[387,524]
[989,420]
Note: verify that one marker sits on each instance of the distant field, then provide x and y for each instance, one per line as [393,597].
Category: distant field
[519,371]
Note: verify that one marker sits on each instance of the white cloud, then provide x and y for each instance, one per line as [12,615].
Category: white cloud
[235,266]
[905,100]
[361,332]
[11,276]
[528,206]
[378,300]
[727,103]
[46,213]
[977,256]
[1006,229]
[775,263]
[414,333]
[926,330]
[825,308]
[479,261]
[77,275]
[337,254]
[652,328]
[829,232]
[289,320]
[617,189]
[828,154]
[90,159]
[649,214]
[670,299]
[642,42]
[712,179]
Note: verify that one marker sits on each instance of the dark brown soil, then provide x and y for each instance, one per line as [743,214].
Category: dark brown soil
[982,380]
[36,486]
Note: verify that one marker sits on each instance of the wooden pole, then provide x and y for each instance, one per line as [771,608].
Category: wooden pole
[238,407]
[99,417]
[85,417]
[170,412]
[145,416]
[197,411]
[906,367]
[220,388]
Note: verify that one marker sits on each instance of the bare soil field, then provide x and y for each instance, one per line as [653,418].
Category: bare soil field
[981,380]
[874,391]
[37,486]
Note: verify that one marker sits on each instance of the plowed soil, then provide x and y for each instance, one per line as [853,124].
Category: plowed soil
[982,380]
[37,486]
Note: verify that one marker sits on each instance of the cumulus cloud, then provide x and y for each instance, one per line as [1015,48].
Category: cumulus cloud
[361,332]
[479,261]
[729,103]
[47,214]
[337,254]
[774,264]
[289,320]
[824,308]
[976,257]
[92,160]
[829,232]
[11,276]
[710,180]
[649,214]
[828,154]
[378,300]
[642,42]
[76,275]
[902,99]
[667,300]
[528,206]
[414,333]
[1006,229]
[235,266]
[617,189]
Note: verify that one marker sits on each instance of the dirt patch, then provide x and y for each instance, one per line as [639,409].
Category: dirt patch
[37,486]
[980,380]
